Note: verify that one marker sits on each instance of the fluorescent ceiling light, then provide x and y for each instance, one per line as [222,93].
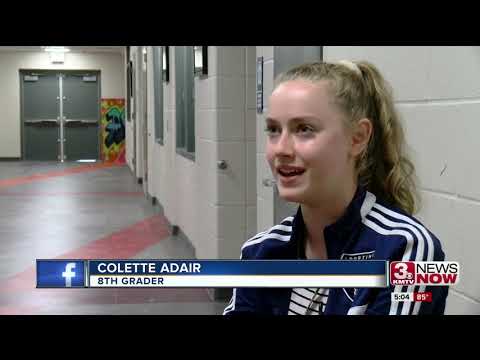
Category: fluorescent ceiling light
[61,49]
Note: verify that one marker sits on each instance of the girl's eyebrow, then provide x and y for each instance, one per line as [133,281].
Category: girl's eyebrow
[269,119]
[295,119]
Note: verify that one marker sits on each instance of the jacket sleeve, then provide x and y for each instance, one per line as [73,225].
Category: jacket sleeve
[243,300]
[241,303]
[380,302]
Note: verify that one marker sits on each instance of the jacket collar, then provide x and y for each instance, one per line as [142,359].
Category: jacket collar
[339,234]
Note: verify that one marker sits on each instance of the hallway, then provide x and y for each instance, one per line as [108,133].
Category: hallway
[51,210]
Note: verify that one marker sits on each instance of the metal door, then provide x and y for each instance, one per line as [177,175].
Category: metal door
[81,114]
[286,57]
[40,111]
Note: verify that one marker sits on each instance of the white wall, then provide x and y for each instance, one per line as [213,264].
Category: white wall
[265,194]
[139,112]
[235,140]
[112,86]
[162,169]
[437,92]
[129,125]
[152,166]
[132,127]
[216,209]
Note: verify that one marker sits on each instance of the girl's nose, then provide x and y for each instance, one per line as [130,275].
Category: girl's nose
[284,146]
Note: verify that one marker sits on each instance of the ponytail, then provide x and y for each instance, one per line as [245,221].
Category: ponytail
[385,169]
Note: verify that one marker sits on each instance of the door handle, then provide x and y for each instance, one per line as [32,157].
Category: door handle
[81,121]
[222,164]
[38,121]
[89,121]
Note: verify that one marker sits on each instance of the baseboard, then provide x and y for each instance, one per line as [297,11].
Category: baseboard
[176,230]
[180,235]
[220,294]
[10,159]
[156,204]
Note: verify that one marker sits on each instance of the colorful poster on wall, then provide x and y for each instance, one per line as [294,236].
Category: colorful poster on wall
[113,130]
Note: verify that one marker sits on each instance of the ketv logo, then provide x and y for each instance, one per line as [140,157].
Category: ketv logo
[424,273]
[60,273]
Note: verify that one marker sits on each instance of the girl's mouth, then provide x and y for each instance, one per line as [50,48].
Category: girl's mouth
[289,175]
[290,171]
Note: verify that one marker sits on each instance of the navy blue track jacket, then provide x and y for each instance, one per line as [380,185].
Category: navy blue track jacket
[369,229]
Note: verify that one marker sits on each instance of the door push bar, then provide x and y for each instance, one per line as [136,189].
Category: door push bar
[81,121]
[38,121]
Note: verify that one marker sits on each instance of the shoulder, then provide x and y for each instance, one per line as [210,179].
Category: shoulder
[257,245]
[401,236]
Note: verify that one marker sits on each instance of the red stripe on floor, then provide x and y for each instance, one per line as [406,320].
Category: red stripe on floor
[69,298]
[123,244]
[48,175]
[18,310]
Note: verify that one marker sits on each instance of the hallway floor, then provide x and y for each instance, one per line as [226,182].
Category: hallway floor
[50,210]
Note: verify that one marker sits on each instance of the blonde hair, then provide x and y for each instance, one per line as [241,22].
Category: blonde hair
[360,91]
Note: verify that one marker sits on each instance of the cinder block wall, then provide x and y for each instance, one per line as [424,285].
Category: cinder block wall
[265,195]
[437,93]
[215,209]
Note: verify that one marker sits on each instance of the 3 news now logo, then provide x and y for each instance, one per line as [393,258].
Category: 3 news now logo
[424,273]
[60,273]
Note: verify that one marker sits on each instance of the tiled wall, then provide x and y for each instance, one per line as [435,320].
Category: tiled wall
[265,211]
[212,207]
[134,128]
[437,93]
[139,110]
[128,124]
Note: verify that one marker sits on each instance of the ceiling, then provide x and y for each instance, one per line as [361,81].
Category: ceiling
[73,49]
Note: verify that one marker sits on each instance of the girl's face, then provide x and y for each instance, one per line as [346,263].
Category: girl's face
[308,146]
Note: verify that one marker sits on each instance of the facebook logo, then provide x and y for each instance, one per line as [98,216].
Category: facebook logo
[60,273]
[68,274]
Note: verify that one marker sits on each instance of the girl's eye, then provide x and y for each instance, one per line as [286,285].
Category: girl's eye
[272,130]
[305,129]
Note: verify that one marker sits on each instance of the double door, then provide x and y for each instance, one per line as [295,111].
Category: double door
[60,115]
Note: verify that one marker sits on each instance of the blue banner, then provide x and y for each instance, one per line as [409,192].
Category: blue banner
[236,267]
[61,273]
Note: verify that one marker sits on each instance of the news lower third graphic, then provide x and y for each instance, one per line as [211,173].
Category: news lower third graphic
[211,273]
[250,273]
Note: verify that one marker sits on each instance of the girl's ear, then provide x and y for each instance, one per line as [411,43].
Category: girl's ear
[361,133]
